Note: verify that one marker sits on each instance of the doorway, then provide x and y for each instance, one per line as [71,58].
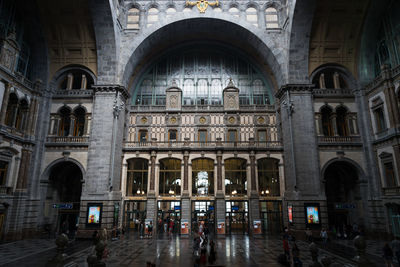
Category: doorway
[343,197]
[271,217]
[134,213]
[203,216]
[168,217]
[237,217]
[64,193]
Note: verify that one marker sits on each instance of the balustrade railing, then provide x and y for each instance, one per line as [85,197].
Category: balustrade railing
[391,191]
[338,139]
[67,139]
[197,144]
[5,190]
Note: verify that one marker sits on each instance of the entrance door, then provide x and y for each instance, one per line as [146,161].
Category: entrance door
[271,217]
[237,217]
[203,216]
[134,212]
[169,217]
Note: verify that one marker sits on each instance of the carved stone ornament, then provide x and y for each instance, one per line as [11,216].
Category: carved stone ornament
[202,120]
[232,120]
[231,101]
[174,101]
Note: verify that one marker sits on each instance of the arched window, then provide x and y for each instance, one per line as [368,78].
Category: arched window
[341,121]
[22,115]
[133,19]
[216,92]
[136,181]
[271,18]
[251,16]
[79,123]
[170,177]
[326,114]
[170,12]
[202,92]
[11,112]
[268,177]
[234,11]
[3,172]
[152,16]
[75,80]
[65,122]
[235,177]
[202,177]
[330,79]
[189,93]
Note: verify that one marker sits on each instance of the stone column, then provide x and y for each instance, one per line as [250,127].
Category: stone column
[5,104]
[28,124]
[390,97]
[86,127]
[185,204]
[70,80]
[318,124]
[185,173]
[254,205]
[71,125]
[332,118]
[102,182]
[220,196]
[84,82]
[24,169]
[301,157]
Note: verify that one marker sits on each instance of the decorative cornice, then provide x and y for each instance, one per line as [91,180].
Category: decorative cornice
[294,88]
[111,88]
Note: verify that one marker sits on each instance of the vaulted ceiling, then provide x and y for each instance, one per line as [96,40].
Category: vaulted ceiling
[69,32]
[336,33]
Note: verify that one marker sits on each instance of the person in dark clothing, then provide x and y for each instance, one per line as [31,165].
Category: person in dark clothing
[212,257]
[296,256]
[95,237]
[388,255]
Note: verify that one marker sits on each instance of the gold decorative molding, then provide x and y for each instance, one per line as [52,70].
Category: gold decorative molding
[202,4]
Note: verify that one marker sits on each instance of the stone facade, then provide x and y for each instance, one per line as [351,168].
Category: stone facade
[80,117]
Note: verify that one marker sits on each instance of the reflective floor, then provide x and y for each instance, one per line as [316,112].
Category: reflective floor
[239,250]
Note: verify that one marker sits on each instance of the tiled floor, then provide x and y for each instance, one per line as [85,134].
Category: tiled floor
[231,251]
[239,250]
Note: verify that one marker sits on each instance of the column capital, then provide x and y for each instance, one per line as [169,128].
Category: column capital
[109,88]
[298,88]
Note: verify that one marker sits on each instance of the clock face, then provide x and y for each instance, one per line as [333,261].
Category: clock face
[260,120]
[231,120]
[202,120]
[173,120]
[144,120]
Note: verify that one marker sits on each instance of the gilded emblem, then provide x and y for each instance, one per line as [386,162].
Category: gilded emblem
[261,120]
[231,120]
[201,4]
[173,120]
[202,120]
[144,120]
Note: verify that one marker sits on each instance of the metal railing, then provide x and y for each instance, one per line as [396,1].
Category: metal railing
[197,144]
[332,92]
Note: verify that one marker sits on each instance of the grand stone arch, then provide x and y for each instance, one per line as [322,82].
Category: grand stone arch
[255,43]
[303,15]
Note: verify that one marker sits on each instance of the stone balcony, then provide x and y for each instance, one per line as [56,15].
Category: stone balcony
[391,191]
[196,145]
[67,140]
[332,93]
[5,190]
[200,108]
[339,140]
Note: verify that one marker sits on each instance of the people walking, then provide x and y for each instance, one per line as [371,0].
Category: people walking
[296,256]
[324,236]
